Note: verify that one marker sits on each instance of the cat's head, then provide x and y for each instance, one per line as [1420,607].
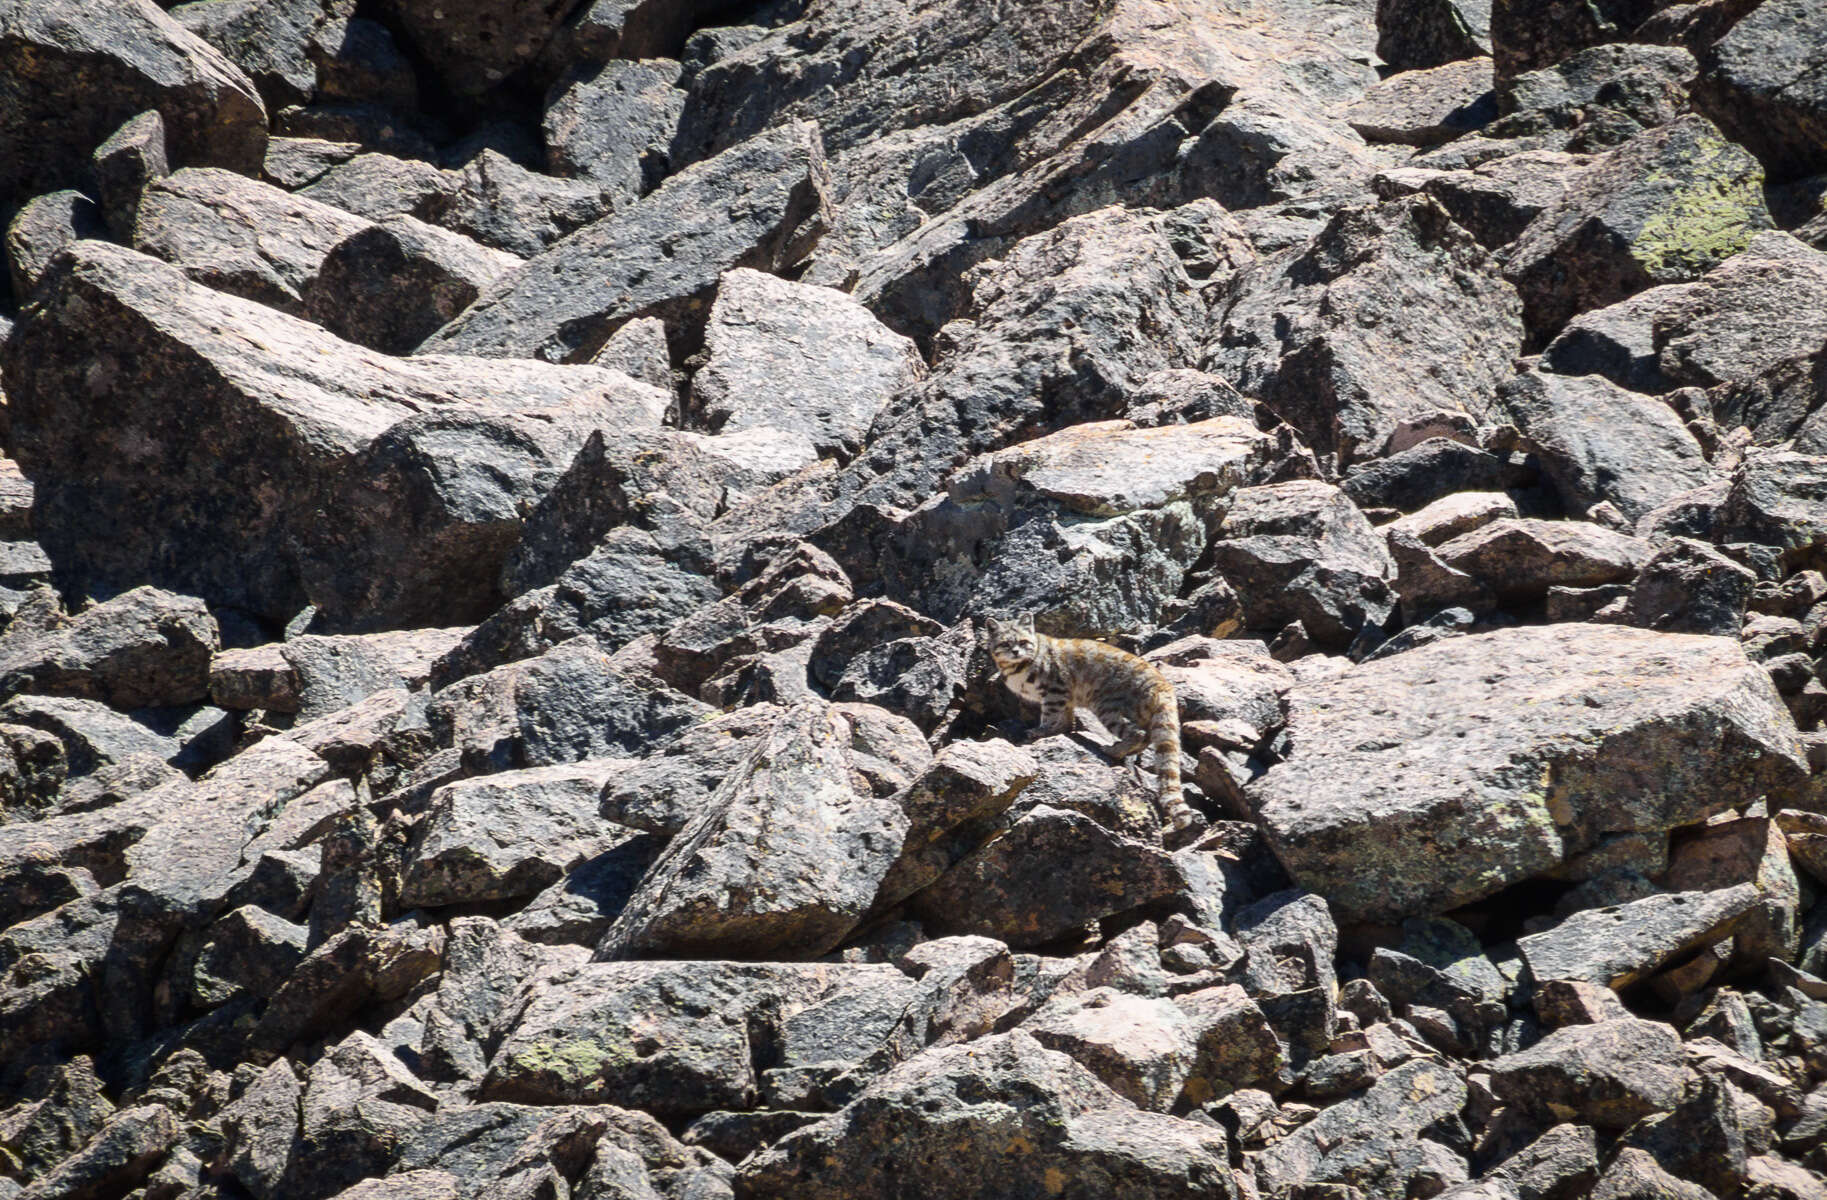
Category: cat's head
[1012,643]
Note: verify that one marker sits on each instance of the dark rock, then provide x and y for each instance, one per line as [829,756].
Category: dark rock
[1427,107]
[1432,470]
[1378,1141]
[1494,201]
[1688,587]
[390,286]
[92,735]
[1416,34]
[1608,1074]
[781,862]
[142,649]
[1748,851]
[1603,95]
[1525,36]
[125,1150]
[503,205]
[61,1113]
[1010,890]
[125,165]
[1762,86]
[614,124]
[472,49]
[1634,1175]
[1559,1162]
[1598,442]
[275,44]
[44,226]
[1620,945]
[1775,500]
[506,836]
[539,310]
[77,69]
[965,785]
[359,1107]
[578,909]
[248,952]
[677,1039]
[1354,852]
[806,360]
[259,1130]
[1521,558]
[1234,1044]
[1702,1140]
[1667,206]
[1071,1129]
[246,377]
[355,968]
[239,235]
[1346,384]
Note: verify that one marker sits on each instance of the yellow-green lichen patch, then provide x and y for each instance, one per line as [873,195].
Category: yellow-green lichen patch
[573,1062]
[1712,212]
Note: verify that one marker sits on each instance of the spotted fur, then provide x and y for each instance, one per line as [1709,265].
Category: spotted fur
[1128,696]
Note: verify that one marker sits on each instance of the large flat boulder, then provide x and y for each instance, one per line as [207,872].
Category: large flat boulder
[1507,753]
[262,463]
[761,204]
[1765,86]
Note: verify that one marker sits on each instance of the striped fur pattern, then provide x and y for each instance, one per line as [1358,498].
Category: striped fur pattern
[1129,697]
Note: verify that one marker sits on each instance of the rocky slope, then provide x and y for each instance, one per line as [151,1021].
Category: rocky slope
[499,499]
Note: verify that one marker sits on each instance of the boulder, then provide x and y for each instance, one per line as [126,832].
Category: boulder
[614,124]
[562,305]
[323,447]
[1564,734]
[1378,1141]
[1344,382]
[1621,944]
[42,227]
[125,165]
[781,862]
[1689,587]
[676,1039]
[790,356]
[1301,551]
[1427,107]
[1762,86]
[1599,443]
[390,286]
[144,648]
[966,785]
[1141,1048]
[1607,1075]
[1665,207]
[1527,34]
[124,1151]
[992,1117]
[507,836]
[1521,558]
[77,69]
[1416,34]
[473,48]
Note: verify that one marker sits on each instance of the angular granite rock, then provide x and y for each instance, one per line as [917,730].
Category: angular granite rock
[1509,752]
[1764,87]
[1607,1075]
[1619,945]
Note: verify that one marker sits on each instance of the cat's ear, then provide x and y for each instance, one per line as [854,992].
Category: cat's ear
[1026,621]
[992,626]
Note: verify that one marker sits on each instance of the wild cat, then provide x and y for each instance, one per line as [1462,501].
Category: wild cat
[1129,697]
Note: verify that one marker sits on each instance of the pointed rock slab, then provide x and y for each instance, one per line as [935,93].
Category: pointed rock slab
[1607,1075]
[760,204]
[781,863]
[75,70]
[1619,945]
[1665,207]
[266,464]
[1521,558]
[1598,442]
[140,649]
[791,356]
[676,1039]
[1390,312]
[1375,1141]
[1001,1116]
[1507,753]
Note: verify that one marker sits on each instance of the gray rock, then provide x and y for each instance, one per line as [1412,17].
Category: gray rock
[1345,384]
[1415,34]
[1011,889]
[540,311]
[1634,1174]
[1378,1141]
[145,648]
[1603,95]
[799,358]
[92,735]
[923,1127]
[125,165]
[1620,945]
[676,1039]
[1141,1048]
[239,235]
[506,836]
[1607,1075]
[358,967]
[390,286]
[1521,558]
[639,351]
[78,69]
[473,48]
[359,1107]
[1301,551]
[248,952]
[1427,107]
[1564,1158]
[125,1150]
[1745,317]
[1496,200]
[1693,705]
[614,124]
[42,227]
[260,1127]
[316,515]
[1526,36]
[1667,206]
[965,785]
[1688,587]
[503,205]
[275,44]
[1762,86]
[1775,500]
[782,861]
[1751,850]
[1598,442]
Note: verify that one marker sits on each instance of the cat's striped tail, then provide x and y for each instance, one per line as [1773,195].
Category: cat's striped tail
[1164,740]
